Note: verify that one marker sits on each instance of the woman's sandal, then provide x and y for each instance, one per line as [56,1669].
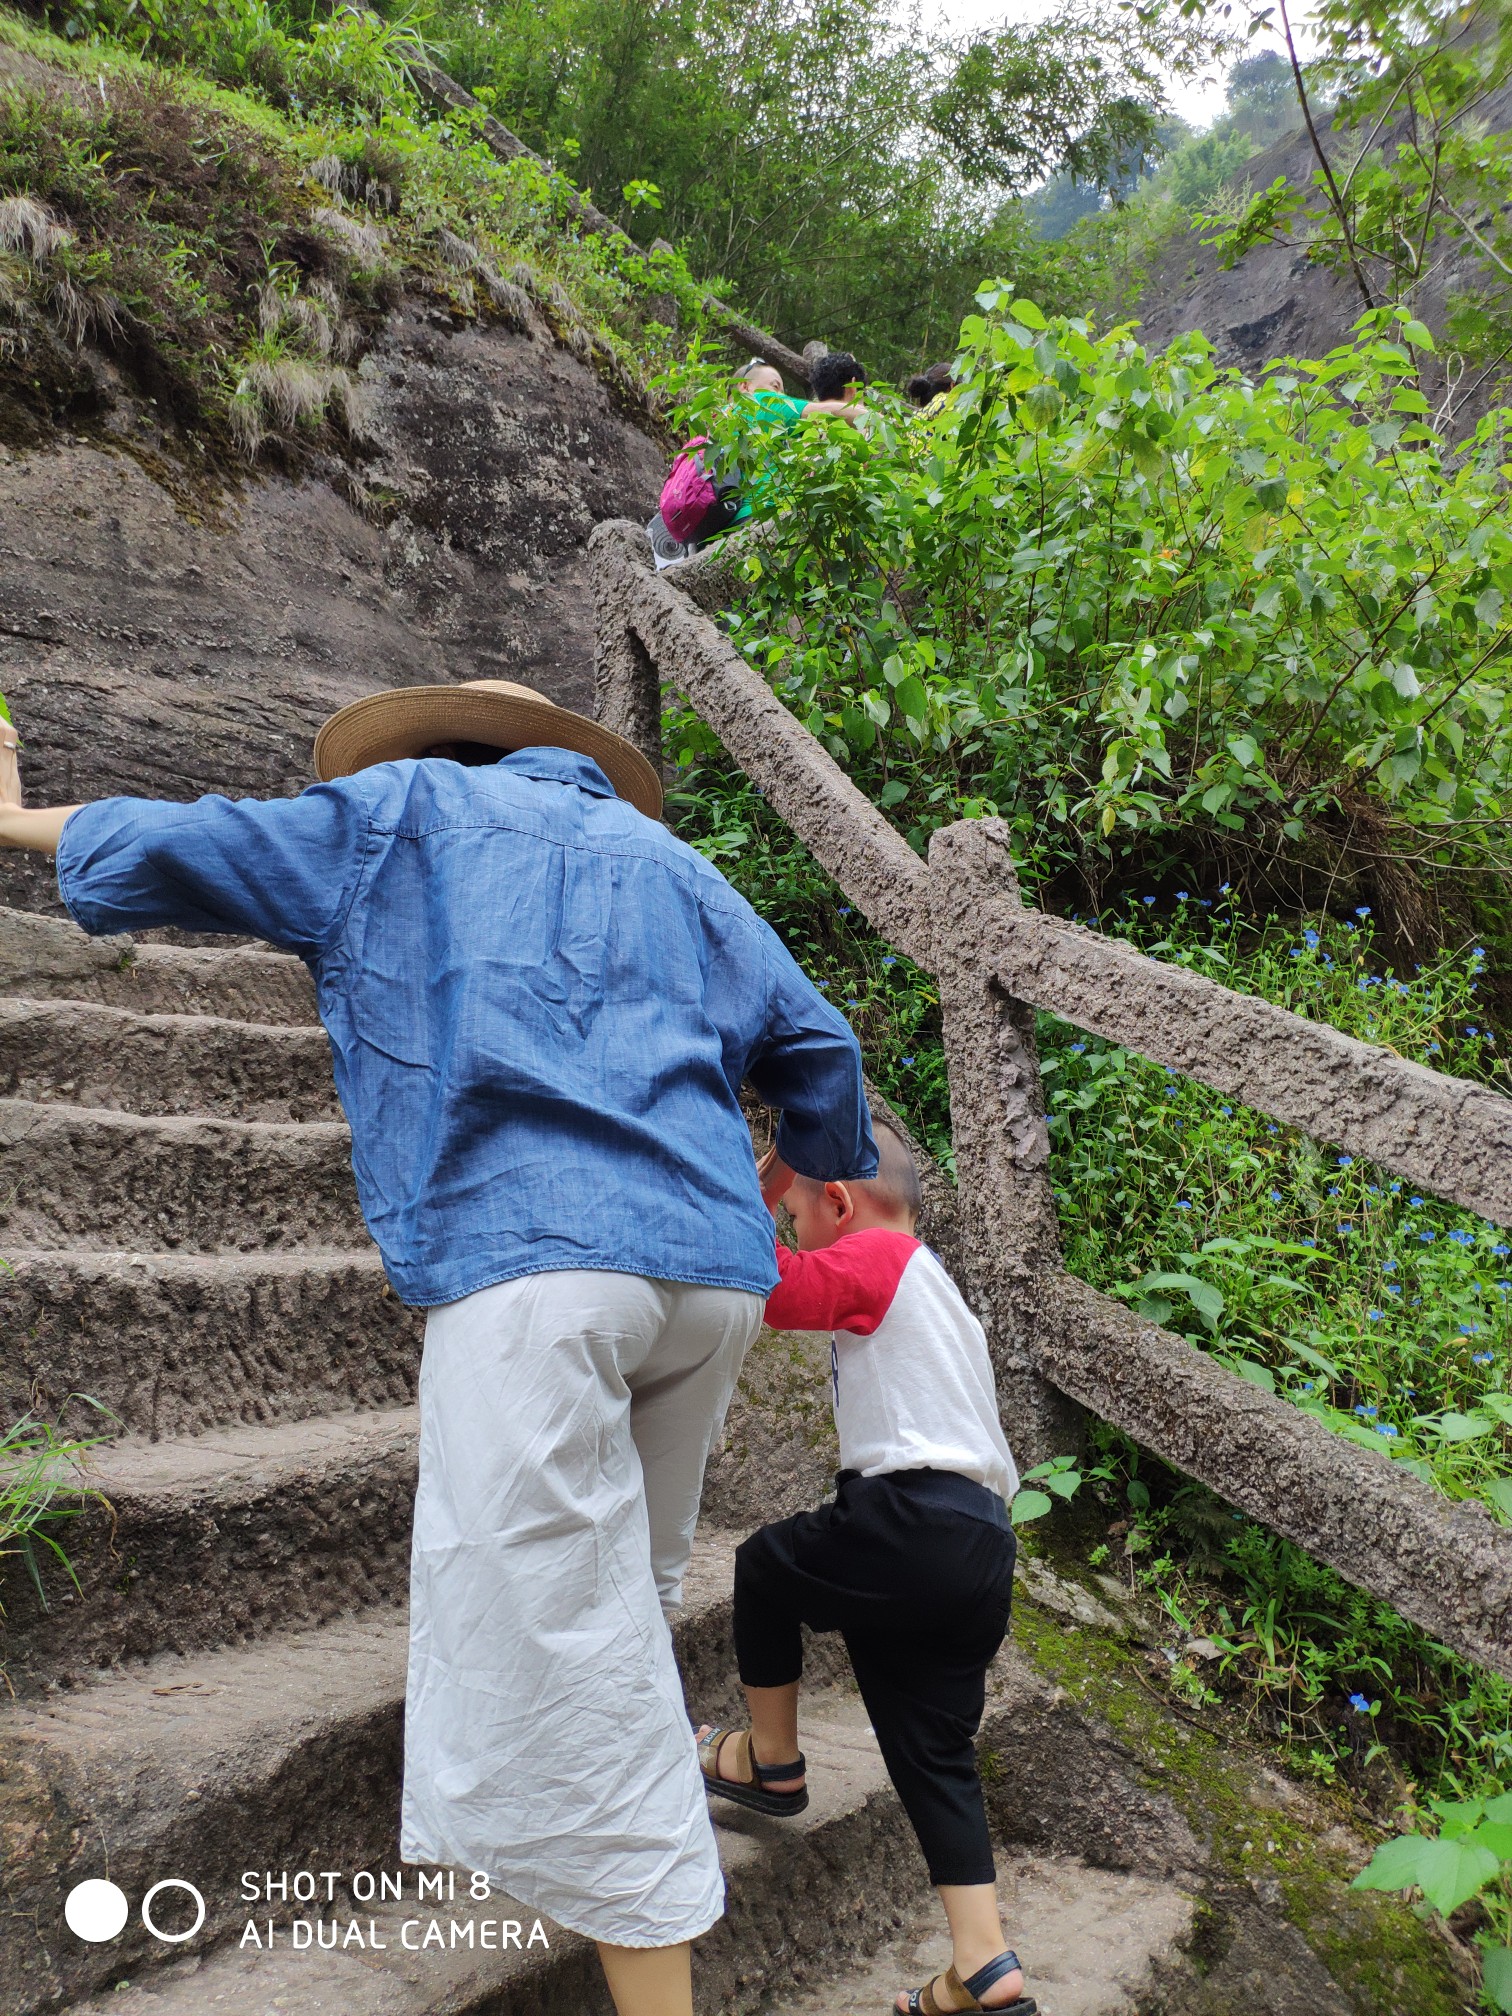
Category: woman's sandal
[922,2002]
[750,1790]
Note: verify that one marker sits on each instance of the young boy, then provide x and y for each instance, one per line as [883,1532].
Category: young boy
[912,1563]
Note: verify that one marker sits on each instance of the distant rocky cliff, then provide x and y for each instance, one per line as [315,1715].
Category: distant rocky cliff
[1279,302]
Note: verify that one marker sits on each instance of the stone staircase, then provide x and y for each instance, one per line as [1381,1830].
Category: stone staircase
[222,1694]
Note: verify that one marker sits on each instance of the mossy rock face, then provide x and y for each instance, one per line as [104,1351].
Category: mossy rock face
[779,1454]
[1278,1926]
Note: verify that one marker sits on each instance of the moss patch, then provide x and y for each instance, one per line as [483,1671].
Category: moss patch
[1294,1847]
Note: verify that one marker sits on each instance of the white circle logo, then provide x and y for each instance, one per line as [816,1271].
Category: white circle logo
[95,1910]
[172,1883]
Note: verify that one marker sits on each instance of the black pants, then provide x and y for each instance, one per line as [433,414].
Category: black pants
[920,1592]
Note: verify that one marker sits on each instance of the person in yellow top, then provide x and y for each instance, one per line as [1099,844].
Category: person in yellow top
[929,390]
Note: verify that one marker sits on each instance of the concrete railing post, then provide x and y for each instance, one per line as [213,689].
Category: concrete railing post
[1010,1238]
[626,683]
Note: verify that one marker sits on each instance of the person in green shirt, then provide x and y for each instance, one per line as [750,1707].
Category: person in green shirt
[775,411]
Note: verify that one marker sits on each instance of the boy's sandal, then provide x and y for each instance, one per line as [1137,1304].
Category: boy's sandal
[922,2002]
[751,1788]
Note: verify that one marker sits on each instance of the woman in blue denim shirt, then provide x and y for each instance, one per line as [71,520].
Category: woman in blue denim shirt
[541,1009]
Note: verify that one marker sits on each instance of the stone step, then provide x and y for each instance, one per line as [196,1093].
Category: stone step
[86,1055]
[792,1887]
[47,957]
[280,1755]
[1090,1941]
[216,1539]
[78,1176]
[176,1343]
[298,1738]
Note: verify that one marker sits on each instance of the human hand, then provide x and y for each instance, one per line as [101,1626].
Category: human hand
[776,1178]
[10,768]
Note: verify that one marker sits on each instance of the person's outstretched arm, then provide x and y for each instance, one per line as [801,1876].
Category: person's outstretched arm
[282,869]
[38,827]
[809,1067]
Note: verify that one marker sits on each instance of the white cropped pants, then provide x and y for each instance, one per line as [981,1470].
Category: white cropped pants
[565,1422]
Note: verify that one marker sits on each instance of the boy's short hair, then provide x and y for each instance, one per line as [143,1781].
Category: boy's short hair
[896,1182]
[830,374]
[897,1178]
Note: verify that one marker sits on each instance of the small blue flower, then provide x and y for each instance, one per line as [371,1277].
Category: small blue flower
[1223,888]
[1273,1130]
[1414,1202]
[1307,1385]
[1310,940]
[1434,1049]
[1392,1288]
[1388,1267]
[851,1001]
[1369,1413]
[1472,1030]
[1426,1238]
[1227,1112]
[1346,1161]
[1173,1091]
[1463,1238]
[843,911]
[1077,1049]
[888,959]
[1376,1315]
[1363,911]
[822,985]
[907,1060]
[1482,1357]
[1396,1189]
[1183,1203]
[1360,1705]
[1502,1251]
[1275,1196]
[1333,1193]
[1147,899]
[1385,1428]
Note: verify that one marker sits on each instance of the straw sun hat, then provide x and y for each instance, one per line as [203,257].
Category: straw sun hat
[408,720]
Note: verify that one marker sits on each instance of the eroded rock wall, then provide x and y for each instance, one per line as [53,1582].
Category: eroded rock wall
[160,637]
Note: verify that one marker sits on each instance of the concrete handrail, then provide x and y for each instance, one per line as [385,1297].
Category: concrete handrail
[1447,1566]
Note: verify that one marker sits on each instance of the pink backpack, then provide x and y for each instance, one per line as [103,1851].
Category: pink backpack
[695,503]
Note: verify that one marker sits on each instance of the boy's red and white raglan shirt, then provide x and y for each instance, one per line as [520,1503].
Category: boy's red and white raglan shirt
[912,1376]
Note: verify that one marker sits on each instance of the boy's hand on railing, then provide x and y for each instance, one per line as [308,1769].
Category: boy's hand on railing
[776,1179]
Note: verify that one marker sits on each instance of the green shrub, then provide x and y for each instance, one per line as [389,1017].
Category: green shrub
[1154,614]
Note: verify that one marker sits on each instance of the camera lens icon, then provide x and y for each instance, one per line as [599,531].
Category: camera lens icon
[97,1911]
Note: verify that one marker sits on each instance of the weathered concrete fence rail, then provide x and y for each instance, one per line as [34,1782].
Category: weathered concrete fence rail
[1056,1340]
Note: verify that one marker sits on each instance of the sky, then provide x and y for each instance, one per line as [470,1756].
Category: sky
[1198,101]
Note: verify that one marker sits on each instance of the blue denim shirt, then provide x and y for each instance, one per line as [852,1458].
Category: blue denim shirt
[541,1006]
